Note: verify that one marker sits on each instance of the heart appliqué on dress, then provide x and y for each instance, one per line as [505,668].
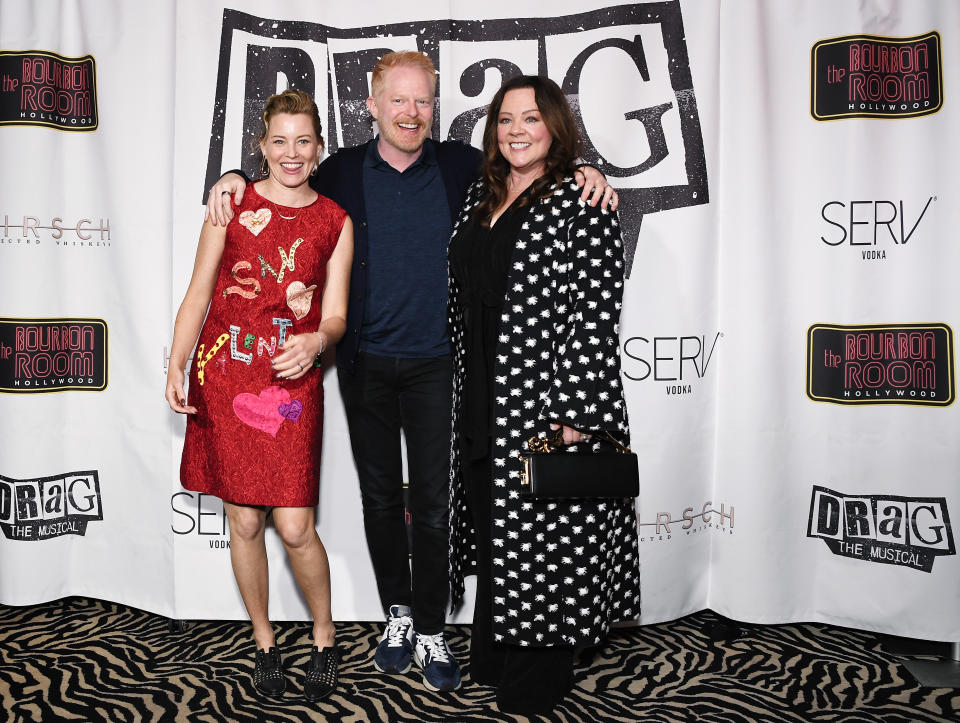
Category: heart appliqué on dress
[299,298]
[255,221]
[292,410]
[262,411]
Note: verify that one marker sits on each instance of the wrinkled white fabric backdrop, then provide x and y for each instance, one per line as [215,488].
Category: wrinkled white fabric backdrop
[724,176]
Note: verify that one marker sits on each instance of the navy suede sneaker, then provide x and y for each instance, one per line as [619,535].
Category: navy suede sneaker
[440,668]
[396,644]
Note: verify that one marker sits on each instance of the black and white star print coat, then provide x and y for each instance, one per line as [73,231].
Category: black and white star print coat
[562,571]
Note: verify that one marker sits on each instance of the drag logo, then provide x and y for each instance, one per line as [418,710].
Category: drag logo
[873,227]
[676,361]
[690,522]
[871,76]
[906,531]
[53,355]
[624,69]
[38,509]
[881,364]
[26,230]
[38,88]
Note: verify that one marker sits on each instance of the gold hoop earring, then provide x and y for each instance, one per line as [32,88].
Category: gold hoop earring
[264,168]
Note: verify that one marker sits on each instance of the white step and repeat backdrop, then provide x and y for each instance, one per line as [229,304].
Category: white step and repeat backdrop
[789,196]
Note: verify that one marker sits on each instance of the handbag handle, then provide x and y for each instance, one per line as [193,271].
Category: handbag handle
[555,441]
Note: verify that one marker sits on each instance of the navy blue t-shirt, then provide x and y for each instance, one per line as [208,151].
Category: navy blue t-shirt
[408,222]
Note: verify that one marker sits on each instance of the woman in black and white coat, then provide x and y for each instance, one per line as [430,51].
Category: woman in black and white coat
[536,280]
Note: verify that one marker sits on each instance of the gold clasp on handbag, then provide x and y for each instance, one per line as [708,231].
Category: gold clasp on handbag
[546,445]
[525,472]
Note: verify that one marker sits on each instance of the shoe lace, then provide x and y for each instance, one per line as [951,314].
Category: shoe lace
[397,630]
[436,648]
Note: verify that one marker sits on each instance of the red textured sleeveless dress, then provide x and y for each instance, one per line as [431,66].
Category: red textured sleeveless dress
[255,439]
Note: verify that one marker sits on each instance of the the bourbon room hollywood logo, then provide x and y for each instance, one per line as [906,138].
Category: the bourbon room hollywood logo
[53,355]
[40,88]
[872,76]
[881,364]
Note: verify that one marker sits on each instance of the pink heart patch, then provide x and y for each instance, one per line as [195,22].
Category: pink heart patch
[299,298]
[262,411]
[292,410]
[255,221]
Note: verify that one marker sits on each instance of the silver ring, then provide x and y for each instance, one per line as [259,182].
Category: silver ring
[224,193]
[300,365]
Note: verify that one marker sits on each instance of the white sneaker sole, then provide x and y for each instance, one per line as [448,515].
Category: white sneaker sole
[430,685]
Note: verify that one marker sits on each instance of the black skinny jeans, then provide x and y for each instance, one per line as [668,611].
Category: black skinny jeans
[384,395]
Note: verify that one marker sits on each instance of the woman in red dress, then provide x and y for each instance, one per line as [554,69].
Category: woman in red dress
[273,286]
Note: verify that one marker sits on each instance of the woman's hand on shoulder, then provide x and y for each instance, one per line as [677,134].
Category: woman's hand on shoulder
[595,188]
[219,208]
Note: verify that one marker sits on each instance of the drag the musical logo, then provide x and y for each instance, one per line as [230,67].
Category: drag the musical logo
[40,88]
[881,364]
[890,529]
[646,134]
[872,76]
[47,507]
[53,355]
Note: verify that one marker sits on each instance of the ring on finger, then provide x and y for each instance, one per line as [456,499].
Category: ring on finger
[300,365]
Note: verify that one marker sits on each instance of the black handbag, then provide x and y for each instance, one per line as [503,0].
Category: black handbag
[550,474]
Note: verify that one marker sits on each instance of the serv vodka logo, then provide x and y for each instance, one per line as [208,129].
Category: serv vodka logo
[679,361]
[894,530]
[872,76]
[46,507]
[875,227]
[196,513]
[625,70]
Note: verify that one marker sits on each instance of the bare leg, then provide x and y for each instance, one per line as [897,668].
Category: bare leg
[248,554]
[308,558]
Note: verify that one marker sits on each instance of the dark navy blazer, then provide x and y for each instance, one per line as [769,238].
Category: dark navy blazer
[340,178]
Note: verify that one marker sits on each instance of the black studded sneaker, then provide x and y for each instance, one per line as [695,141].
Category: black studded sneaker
[268,675]
[322,674]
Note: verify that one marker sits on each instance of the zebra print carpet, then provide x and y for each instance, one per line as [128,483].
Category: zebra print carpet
[88,660]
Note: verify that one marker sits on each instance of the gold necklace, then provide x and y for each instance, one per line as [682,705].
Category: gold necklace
[276,207]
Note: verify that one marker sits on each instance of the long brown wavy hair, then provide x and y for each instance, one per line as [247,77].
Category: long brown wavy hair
[564,149]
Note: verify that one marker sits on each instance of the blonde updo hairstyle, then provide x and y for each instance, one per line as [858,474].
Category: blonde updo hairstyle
[291,101]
